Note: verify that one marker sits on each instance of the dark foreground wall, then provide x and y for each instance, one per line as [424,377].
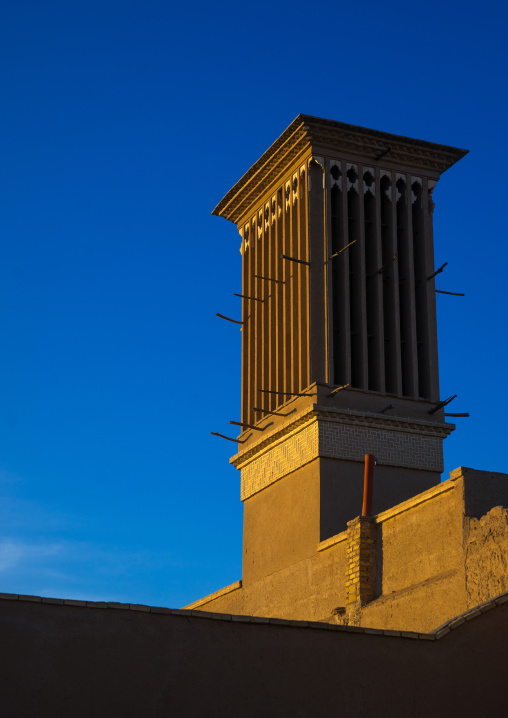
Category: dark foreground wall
[69,661]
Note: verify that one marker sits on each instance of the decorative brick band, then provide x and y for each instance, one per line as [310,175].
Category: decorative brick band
[393,448]
[288,454]
[346,436]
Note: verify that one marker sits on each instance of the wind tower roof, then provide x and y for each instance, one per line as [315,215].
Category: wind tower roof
[325,136]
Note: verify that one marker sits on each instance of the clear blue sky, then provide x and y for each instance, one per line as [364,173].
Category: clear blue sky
[122,124]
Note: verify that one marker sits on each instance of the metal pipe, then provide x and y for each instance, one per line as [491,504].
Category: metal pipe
[338,388]
[237,441]
[269,279]
[385,265]
[235,321]
[275,413]
[441,404]
[294,259]
[285,393]
[368,484]
[249,426]
[438,271]
[244,296]
[342,250]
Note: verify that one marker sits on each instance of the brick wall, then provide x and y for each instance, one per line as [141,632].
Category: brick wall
[361,560]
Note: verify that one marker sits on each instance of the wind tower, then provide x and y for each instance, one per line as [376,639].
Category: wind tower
[339,341]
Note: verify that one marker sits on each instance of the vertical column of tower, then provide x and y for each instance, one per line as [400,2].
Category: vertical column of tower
[357,279]
[248,328]
[264,347]
[295,269]
[260,399]
[245,328]
[261,347]
[287,270]
[346,274]
[410,279]
[318,315]
[409,359]
[392,276]
[303,253]
[328,268]
[428,210]
[270,299]
[378,282]
[420,274]
[279,289]
[256,290]
[373,261]
[340,274]
[251,292]
[388,270]
[363,372]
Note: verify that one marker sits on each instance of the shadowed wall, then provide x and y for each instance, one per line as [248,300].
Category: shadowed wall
[62,661]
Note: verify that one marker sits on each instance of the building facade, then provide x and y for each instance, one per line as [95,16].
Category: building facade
[339,360]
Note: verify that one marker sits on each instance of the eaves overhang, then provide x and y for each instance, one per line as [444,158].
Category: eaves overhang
[306,132]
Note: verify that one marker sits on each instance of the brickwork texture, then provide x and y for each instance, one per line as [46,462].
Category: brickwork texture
[361,560]
[338,440]
[390,447]
[287,455]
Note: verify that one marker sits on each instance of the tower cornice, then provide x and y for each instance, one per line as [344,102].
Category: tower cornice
[313,133]
[314,412]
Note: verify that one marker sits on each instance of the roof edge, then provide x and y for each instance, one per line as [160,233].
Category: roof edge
[307,131]
[218,211]
[434,635]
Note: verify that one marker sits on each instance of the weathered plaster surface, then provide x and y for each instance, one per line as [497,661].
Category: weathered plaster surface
[486,556]
[434,557]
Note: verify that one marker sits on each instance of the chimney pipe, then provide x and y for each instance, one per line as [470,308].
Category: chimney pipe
[368,484]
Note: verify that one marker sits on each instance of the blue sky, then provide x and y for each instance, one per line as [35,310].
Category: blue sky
[122,124]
